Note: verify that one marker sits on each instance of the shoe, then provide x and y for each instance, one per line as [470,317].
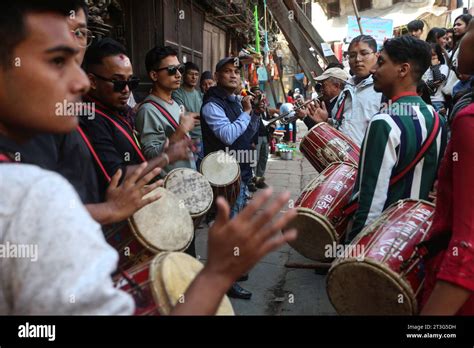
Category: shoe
[243,278]
[252,188]
[236,291]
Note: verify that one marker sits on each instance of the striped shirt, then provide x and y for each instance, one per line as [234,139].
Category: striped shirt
[391,142]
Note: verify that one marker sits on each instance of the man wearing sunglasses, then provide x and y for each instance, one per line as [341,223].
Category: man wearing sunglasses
[68,154]
[160,118]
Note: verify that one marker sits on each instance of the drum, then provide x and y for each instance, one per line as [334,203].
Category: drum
[158,285]
[223,173]
[320,219]
[193,190]
[136,281]
[382,279]
[164,225]
[324,144]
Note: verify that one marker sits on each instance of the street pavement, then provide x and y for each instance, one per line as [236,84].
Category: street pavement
[278,290]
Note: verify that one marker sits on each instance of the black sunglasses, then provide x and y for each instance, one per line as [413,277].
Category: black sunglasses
[119,85]
[173,69]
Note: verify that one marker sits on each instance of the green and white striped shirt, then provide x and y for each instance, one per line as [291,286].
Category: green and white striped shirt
[391,142]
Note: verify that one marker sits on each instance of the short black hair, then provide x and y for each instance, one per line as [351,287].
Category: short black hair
[156,55]
[434,34]
[450,30]
[409,49]
[369,40]
[415,25]
[190,66]
[12,21]
[101,49]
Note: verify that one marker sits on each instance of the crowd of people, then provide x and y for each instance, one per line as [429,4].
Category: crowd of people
[66,180]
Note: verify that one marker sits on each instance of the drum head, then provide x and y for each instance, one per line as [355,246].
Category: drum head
[368,288]
[164,225]
[192,188]
[314,234]
[171,275]
[220,168]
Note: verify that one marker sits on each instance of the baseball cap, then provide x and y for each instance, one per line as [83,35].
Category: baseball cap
[227,60]
[337,73]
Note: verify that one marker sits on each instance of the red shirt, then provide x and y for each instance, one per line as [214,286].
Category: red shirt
[455,212]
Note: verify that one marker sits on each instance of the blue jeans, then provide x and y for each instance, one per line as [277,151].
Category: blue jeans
[241,200]
[437,105]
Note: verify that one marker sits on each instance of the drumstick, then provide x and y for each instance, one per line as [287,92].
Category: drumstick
[316,265]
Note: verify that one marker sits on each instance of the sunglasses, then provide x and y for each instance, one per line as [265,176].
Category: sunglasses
[173,69]
[119,85]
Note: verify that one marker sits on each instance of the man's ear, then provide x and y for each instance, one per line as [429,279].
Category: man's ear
[92,80]
[404,70]
[153,75]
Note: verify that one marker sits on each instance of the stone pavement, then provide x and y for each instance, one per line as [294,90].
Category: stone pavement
[278,290]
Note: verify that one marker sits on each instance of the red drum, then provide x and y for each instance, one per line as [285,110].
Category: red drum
[137,282]
[164,225]
[324,144]
[320,219]
[223,173]
[379,277]
[159,284]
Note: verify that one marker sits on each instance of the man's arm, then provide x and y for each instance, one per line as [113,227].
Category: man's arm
[151,130]
[254,234]
[226,131]
[377,158]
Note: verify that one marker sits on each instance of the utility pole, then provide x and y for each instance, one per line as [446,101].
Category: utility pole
[356,10]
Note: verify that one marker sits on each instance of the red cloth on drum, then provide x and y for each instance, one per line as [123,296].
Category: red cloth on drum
[455,212]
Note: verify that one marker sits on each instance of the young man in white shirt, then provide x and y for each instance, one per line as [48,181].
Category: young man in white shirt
[69,266]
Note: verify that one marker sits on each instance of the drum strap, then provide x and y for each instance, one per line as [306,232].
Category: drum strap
[164,112]
[94,154]
[133,142]
[340,111]
[4,158]
[354,205]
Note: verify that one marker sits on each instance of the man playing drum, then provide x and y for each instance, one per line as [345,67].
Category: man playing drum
[71,270]
[358,102]
[397,134]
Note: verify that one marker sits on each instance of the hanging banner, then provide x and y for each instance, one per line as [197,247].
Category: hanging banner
[380,29]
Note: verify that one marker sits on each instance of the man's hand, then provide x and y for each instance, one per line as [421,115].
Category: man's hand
[302,113]
[186,123]
[247,103]
[125,199]
[318,112]
[236,245]
[179,150]
[196,117]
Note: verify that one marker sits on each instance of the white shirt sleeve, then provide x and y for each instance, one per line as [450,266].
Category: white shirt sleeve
[73,266]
